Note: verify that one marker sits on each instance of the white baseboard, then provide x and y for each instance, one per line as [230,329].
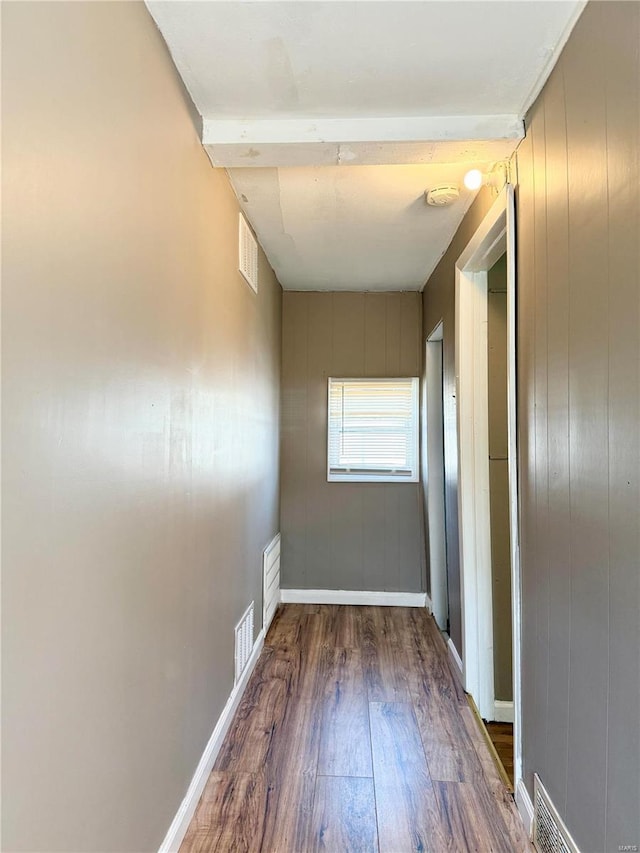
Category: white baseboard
[525,807]
[455,657]
[181,821]
[348,596]
[502,711]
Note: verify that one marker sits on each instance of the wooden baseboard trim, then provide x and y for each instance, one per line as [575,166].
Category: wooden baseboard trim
[525,807]
[181,821]
[348,596]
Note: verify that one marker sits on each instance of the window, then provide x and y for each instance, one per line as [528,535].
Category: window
[373,430]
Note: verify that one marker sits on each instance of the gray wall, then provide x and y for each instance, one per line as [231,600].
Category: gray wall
[359,536]
[579,354]
[438,303]
[140,431]
[499,478]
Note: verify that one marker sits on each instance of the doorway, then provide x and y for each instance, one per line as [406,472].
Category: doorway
[435,478]
[480,475]
[500,725]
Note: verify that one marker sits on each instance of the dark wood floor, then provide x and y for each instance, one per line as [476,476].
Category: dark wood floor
[501,735]
[354,735]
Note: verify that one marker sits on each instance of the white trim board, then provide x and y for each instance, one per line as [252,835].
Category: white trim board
[433,474]
[495,234]
[310,129]
[502,711]
[455,657]
[181,821]
[349,596]
[552,58]
[525,807]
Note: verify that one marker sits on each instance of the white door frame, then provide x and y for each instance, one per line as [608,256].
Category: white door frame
[434,457]
[495,234]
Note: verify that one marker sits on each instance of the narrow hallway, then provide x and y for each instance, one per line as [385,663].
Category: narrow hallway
[354,735]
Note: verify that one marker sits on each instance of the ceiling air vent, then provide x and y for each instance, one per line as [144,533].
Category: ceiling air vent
[550,835]
[247,254]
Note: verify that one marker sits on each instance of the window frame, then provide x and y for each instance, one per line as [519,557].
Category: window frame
[377,476]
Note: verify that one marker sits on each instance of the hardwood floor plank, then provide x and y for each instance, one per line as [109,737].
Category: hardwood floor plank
[344,816]
[229,815]
[501,735]
[291,778]
[384,661]
[472,726]
[429,669]
[200,842]
[440,721]
[348,632]
[285,628]
[441,646]
[449,749]
[408,813]
[309,758]
[470,826]
[426,636]
[299,643]
[345,743]
[451,765]
[261,713]
[500,800]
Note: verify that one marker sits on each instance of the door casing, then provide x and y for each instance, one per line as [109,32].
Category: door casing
[495,235]
[435,477]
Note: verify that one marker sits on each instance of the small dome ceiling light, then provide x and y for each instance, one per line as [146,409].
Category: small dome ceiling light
[496,177]
[442,195]
[474,179]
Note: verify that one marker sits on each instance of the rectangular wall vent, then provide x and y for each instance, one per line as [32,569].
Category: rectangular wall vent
[270,581]
[550,835]
[244,641]
[247,254]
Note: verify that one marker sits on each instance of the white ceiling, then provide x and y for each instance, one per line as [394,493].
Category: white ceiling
[351,227]
[334,117]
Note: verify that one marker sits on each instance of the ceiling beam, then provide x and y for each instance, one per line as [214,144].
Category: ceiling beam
[234,143]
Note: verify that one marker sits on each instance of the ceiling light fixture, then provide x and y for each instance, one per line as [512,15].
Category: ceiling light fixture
[473,180]
[495,178]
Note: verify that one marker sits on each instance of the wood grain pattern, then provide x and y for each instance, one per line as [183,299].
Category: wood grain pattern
[408,816]
[477,737]
[291,778]
[259,716]
[383,659]
[500,799]
[348,627]
[312,763]
[447,764]
[230,814]
[460,805]
[501,735]
[344,816]
[345,744]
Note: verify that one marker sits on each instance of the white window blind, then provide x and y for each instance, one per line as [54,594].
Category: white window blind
[373,430]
